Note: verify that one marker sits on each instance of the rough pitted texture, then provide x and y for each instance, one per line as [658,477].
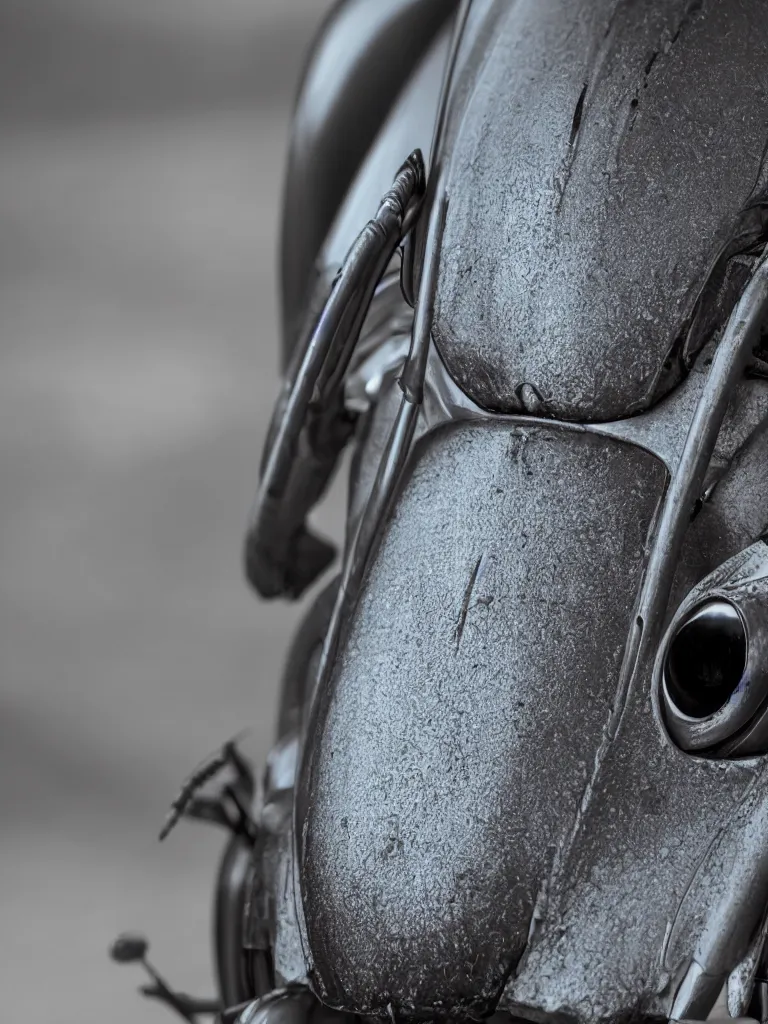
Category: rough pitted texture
[668,853]
[734,517]
[606,161]
[454,740]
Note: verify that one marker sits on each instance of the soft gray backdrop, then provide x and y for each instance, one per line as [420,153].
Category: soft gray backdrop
[141,151]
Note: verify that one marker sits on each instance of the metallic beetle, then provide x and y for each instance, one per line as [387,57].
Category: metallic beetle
[521,768]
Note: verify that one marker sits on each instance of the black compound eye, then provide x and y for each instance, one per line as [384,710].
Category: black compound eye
[706,660]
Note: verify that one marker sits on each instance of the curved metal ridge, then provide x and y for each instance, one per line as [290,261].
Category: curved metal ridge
[281,556]
[397,450]
[450,71]
[418,240]
[374,514]
[686,484]
[729,365]
[412,379]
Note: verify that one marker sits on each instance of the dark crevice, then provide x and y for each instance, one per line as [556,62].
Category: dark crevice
[761,349]
[635,102]
[459,631]
[759,367]
[576,123]
[562,178]
[649,66]
[633,116]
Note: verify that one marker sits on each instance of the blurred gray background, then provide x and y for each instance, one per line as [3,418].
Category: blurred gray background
[141,153]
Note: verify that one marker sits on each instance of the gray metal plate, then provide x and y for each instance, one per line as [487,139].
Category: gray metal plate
[606,159]
[450,751]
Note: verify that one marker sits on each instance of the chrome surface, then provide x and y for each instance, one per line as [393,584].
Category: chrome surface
[355,74]
[363,385]
[706,660]
[281,555]
[409,126]
[430,802]
[736,726]
[601,228]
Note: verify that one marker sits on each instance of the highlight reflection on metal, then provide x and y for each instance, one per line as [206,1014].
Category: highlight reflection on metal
[715,701]
[706,660]
[733,353]
[281,555]
[396,453]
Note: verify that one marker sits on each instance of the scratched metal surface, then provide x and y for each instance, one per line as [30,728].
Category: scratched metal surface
[605,160]
[454,740]
[735,515]
[646,872]
[666,860]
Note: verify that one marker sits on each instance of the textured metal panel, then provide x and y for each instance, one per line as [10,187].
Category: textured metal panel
[664,428]
[361,58]
[606,161]
[667,862]
[409,126]
[733,517]
[448,755]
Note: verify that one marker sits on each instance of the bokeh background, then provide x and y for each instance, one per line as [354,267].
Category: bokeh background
[142,145]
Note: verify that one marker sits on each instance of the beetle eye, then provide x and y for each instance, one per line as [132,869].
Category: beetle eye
[706,660]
